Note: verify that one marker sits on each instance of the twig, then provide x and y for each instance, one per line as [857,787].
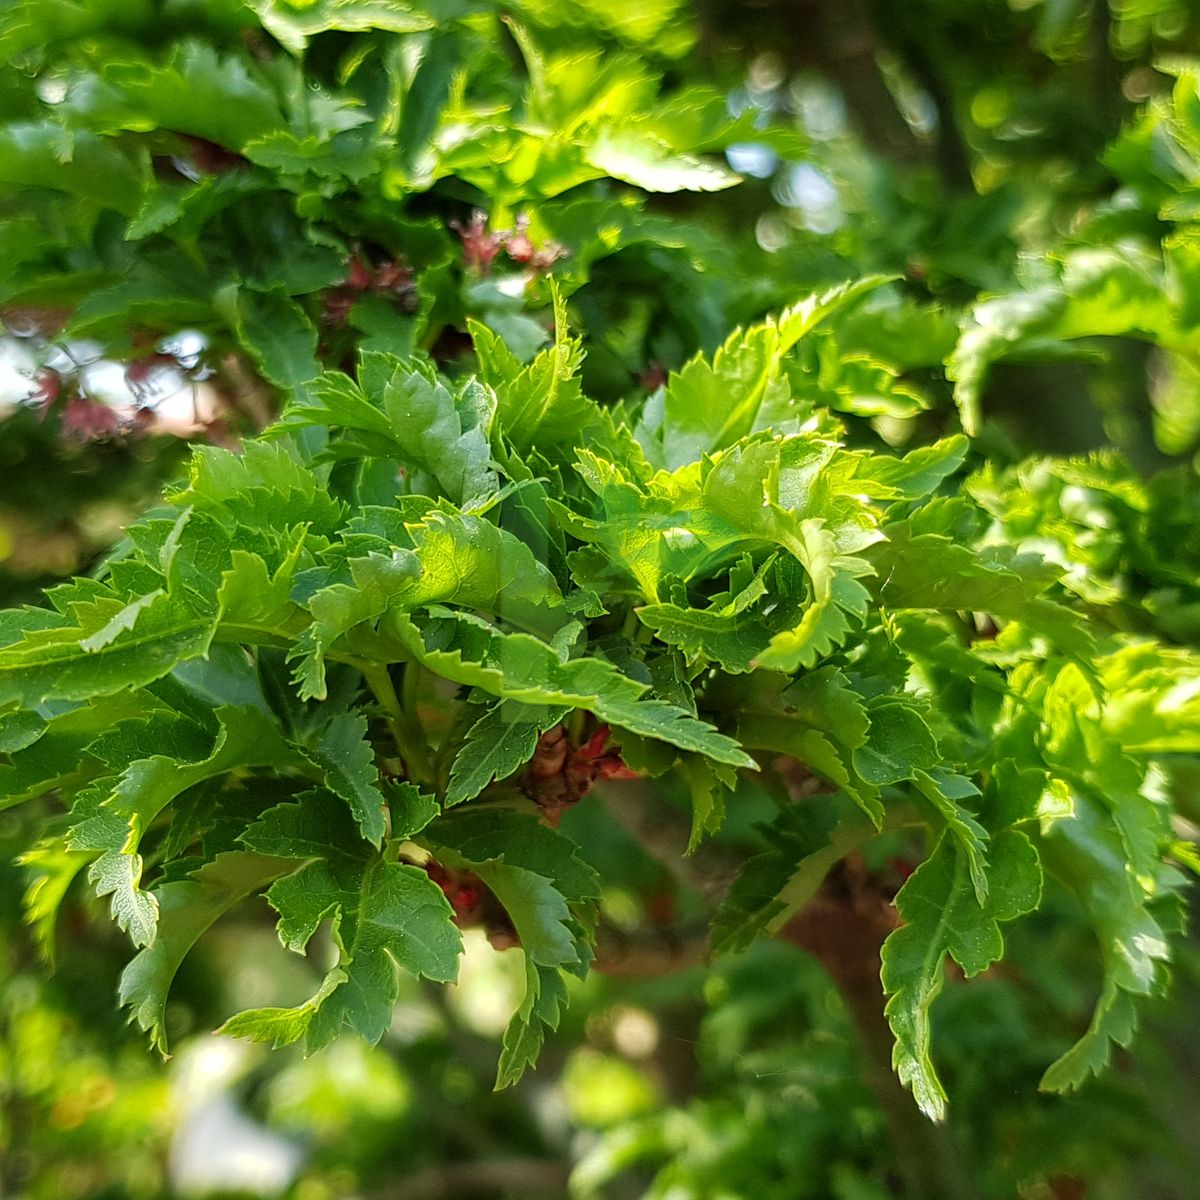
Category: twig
[648,952]
[844,928]
[663,832]
[410,741]
[486,1176]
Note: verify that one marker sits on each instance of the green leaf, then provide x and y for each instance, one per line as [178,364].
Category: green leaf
[282,1026]
[340,608]
[482,836]
[917,475]
[443,433]
[798,493]
[193,91]
[454,558]
[650,164]
[186,911]
[929,570]
[805,841]
[825,700]
[143,645]
[250,595]
[898,745]
[293,24]
[266,487]
[278,335]
[837,599]
[135,911]
[943,917]
[59,756]
[1115,290]
[826,756]
[516,666]
[51,871]
[732,630]
[499,743]
[540,1011]
[1087,855]
[410,809]
[549,894]
[347,763]
[708,784]
[466,560]
[710,404]
[540,404]
[383,913]
[46,155]
[402,410]
[245,738]
[946,791]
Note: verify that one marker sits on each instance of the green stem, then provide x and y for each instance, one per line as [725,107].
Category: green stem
[409,739]
[410,692]
[575,725]
[450,744]
[631,624]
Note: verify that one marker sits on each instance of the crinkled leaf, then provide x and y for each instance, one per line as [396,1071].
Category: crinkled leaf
[519,667]
[942,916]
[499,743]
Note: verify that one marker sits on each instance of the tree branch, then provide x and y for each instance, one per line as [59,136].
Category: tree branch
[843,928]
[486,1176]
[663,832]
[649,952]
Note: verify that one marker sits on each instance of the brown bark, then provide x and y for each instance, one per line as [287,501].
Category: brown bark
[484,1177]
[844,928]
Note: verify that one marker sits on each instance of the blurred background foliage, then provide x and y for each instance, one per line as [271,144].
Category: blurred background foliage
[186,210]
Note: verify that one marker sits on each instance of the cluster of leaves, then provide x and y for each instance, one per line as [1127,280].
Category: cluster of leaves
[713,582]
[531,515]
[187,169]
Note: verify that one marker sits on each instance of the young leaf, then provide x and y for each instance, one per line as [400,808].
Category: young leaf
[519,667]
[186,911]
[1087,855]
[942,916]
[499,743]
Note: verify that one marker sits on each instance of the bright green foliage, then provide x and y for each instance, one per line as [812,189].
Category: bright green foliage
[944,915]
[767,556]
[499,743]
[525,521]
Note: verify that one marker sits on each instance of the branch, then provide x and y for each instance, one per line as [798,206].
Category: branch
[843,928]
[662,831]
[518,1176]
[245,391]
[913,46]
[649,952]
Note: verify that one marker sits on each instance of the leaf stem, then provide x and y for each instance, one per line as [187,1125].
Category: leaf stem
[408,737]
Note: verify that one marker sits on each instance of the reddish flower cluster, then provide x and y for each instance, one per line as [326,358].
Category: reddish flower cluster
[560,774]
[482,246]
[164,385]
[389,278]
[86,421]
[474,904]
